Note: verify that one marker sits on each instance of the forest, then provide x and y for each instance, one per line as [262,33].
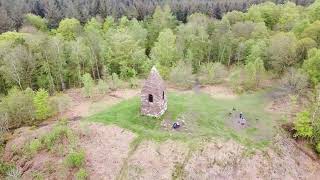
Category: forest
[12,12]
[49,47]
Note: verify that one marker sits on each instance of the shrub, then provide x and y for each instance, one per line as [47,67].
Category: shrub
[102,86]
[181,75]
[294,81]
[81,174]
[303,125]
[254,73]
[212,73]
[57,133]
[18,107]
[318,147]
[87,84]
[75,159]
[134,83]
[41,103]
[3,125]
[13,174]
[5,168]
[312,64]
[115,82]
[236,79]
[59,103]
[34,146]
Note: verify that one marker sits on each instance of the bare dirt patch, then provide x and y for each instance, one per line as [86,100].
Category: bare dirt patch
[219,91]
[155,161]
[106,148]
[279,105]
[84,107]
[227,160]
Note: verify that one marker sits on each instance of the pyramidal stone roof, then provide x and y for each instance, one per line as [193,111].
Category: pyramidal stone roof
[154,79]
[153,95]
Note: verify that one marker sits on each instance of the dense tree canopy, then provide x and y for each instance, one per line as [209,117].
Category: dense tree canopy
[267,37]
[12,12]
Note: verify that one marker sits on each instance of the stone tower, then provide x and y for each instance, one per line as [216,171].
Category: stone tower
[153,95]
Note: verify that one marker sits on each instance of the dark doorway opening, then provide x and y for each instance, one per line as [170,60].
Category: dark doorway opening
[150,98]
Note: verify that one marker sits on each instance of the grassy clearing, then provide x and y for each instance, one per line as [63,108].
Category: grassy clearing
[204,116]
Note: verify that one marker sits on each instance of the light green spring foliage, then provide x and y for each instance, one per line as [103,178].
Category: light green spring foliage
[161,19]
[255,73]
[11,36]
[19,107]
[134,83]
[313,31]
[282,51]
[313,11]
[81,174]
[75,159]
[318,148]
[69,29]
[41,104]
[115,82]
[303,125]
[181,75]
[165,51]
[102,86]
[193,39]
[88,84]
[281,35]
[212,73]
[38,22]
[312,66]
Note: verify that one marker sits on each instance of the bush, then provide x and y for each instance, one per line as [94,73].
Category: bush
[81,174]
[312,64]
[102,86]
[75,159]
[34,146]
[236,79]
[294,81]
[181,75]
[41,103]
[254,73]
[3,126]
[212,73]
[57,133]
[13,174]
[87,84]
[318,147]
[303,125]
[18,107]
[5,168]
[134,83]
[59,103]
[115,82]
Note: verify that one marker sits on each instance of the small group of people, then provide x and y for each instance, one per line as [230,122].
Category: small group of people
[242,120]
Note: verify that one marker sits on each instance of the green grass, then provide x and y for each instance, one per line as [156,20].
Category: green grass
[204,116]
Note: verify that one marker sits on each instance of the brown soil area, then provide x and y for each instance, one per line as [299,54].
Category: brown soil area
[155,161]
[219,91]
[106,148]
[110,156]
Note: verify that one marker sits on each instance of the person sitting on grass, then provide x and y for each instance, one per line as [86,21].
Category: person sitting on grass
[176,125]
